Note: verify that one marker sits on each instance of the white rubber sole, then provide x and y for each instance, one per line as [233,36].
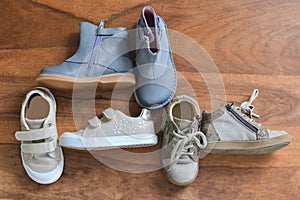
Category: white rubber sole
[71,140]
[48,177]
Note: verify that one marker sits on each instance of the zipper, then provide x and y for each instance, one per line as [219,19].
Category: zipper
[198,118]
[241,119]
[97,43]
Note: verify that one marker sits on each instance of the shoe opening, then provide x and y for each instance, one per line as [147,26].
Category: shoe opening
[150,19]
[37,107]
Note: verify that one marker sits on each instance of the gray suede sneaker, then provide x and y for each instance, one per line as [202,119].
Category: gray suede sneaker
[155,73]
[182,141]
[102,58]
[232,130]
[113,130]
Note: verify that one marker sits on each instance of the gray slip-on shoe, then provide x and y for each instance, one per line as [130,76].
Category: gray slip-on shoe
[155,72]
[182,141]
[102,59]
[232,130]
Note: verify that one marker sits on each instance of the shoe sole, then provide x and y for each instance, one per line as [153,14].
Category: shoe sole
[249,147]
[112,142]
[106,82]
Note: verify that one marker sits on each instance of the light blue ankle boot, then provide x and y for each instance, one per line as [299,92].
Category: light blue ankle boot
[102,58]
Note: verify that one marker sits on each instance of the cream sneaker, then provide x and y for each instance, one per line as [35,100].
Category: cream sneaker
[41,156]
[113,130]
[232,130]
[182,141]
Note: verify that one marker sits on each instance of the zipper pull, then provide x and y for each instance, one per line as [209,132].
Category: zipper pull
[228,106]
[101,25]
[96,44]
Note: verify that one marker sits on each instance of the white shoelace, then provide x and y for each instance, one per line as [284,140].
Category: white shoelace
[247,107]
[185,141]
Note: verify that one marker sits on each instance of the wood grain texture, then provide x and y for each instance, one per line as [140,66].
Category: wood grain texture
[85,177]
[254,44]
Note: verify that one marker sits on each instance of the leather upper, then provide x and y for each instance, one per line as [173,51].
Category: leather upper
[110,55]
[182,140]
[41,156]
[116,123]
[155,73]
[222,125]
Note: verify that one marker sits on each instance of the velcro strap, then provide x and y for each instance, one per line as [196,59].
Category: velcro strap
[108,113]
[44,147]
[109,31]
[95,122]
[36,134]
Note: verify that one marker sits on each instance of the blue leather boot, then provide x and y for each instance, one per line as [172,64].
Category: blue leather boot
[155,73]
[102,58]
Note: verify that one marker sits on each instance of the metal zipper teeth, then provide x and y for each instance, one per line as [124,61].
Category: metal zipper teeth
[97,43]
[243,121]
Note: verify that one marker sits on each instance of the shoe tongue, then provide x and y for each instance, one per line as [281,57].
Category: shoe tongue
[182,123]
[151,36]
[35,123]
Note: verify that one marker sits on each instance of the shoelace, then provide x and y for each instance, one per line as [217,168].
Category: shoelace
[247,107]
[185,143]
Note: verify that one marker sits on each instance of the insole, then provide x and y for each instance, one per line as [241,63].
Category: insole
[37,108]
[184,110]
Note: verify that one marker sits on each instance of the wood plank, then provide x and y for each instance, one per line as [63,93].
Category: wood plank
[94,180]
[94,10]
[254,44]
[229,40]
[30,26]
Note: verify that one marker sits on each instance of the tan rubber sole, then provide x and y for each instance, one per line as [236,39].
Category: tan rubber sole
[107,82]
[249,147]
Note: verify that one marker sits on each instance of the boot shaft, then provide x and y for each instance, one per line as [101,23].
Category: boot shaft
[114,43]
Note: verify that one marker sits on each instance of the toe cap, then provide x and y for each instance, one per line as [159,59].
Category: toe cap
[273,134]
[153,96]
[65,69]
[183,174]
[46,177]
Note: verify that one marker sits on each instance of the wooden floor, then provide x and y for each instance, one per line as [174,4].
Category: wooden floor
[255,44]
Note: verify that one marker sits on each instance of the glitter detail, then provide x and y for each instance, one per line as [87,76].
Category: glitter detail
[117,130]
[123,122]
[132,128]
[142,124]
